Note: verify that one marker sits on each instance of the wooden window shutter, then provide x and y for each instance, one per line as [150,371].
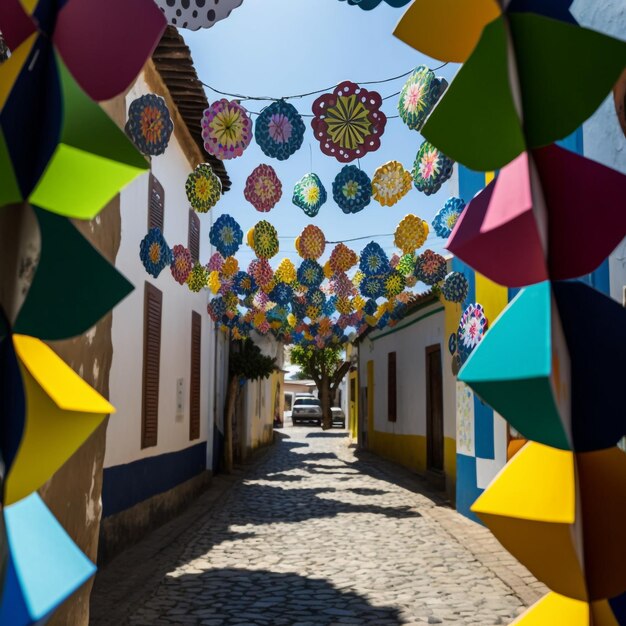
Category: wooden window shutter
[194,386]
[153,304]
[194,235]
[156,204]
[392,390]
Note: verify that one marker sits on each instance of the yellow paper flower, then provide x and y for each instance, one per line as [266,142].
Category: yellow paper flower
[328,270]
[291,320]
[286,272]
[250,238]
[230,267]
[391,182]
[358,302]
[214,281]
[259,319]
[344,306]
[267,287]
[411,234]
[357,278]
[231,301]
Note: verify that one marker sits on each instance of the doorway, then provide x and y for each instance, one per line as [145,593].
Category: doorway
[434,409]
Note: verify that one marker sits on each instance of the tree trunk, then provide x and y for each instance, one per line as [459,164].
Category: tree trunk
[327,420]
[233,387]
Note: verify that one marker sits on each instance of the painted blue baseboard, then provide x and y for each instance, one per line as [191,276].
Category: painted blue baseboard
[467,490]
[123,486]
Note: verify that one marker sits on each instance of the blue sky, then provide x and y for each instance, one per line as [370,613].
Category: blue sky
[282,47]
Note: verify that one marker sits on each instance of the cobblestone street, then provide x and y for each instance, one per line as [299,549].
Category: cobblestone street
[313,534]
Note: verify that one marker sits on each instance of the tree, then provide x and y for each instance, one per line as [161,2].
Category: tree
[326,367]
[246,362]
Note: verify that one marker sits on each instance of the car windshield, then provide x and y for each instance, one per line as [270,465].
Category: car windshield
[307,401]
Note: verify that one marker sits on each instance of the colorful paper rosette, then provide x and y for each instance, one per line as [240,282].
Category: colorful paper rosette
[419,95]
[411,234]
[309,194]
[455,287]
[373,260]
[368,5]
[263,189]
[182,264]
[216,262]
[196,14]
[226,235]
[286,271]
[430,267]
[446,218]
[265,240]
[281,294]
[342,258]
[154,252]
[311,243]
[391,183]
[348,122]
[394,284]
[406,265]
[244,284]
[149,124]
[373,287]
[352,189]
[204,188]
[472,329]
[310,273]
[431,169]
[226,129]
[279,130]
[198,278]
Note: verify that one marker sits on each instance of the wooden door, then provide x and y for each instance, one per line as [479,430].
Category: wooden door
[434,408]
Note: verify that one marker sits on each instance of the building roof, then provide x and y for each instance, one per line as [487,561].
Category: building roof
[172,59]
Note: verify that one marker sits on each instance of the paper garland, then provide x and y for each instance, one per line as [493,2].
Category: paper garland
[279,130]
[196,14]
[309,194]
[263,189]
[446,218]
[418,97]
[348,122]
[203,188]
[430,267]
[431,169]
[411,234]
[226,235]
[149,124]
[352,189]
[154,252]
[265,240]
[226,129]
[391,183]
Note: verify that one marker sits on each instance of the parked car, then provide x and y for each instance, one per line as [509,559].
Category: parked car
[339,416]
[306,409]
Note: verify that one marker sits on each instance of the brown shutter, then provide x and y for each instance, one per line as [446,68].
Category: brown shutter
[156,204]
[153,304]
[194,235]
[392,390]
[194,386]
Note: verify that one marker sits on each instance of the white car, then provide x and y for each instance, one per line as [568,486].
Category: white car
[338,416]
[306,409]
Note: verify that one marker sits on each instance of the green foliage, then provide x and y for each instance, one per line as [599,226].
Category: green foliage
[315,362]
[247,361]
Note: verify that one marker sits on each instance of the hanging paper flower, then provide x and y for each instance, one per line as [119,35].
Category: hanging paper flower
[149,124]
[310,273]
[394,284]
[406,265]
[357,278]
[391,183]
[282,293]
[230,267]
[344,306]
[342,258]
[203,188]
[286,272]
[370,307]
[260,323]
[358,302]
[244,284]
[263,189]
[447,217]
[373,260]
[430,267]
[261,271]
[214,283]
[373,287]
[411,234]
[279,130]
[198,278]
[472,329]
[394,260]
[348,122]
[309,194]
[216,262]
[455,287]
[216,309]
[341,285]
[452,343]
[226,129]
[419,95]
[312,242]
[265,240]
[261,301]
[226,235]
[182,263]
[411,281]
[328,270]
[316,297]
[352,189]
[154,252]
[431,169]
[195,15]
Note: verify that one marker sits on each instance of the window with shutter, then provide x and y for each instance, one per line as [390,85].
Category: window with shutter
[156,204]
[194,386]
[392,390]
[153,304]
[194,235]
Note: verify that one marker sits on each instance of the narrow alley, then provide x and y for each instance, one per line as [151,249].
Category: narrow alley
[314,533]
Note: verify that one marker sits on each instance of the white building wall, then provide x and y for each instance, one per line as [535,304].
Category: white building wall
[124,430]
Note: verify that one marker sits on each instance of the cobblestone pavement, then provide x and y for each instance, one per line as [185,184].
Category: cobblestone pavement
[314,534]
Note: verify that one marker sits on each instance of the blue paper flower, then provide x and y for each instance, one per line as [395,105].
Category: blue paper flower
[383,321]
[455,287]
[149,124]
[329,308]
[316,297]
[447,217]
[352,189]
[154,252]
[373,260]
[216,308]
[244,284]
[226,235]
[452,343]
[373,287]
[310,273]
[279,130]
[281,294]
[370,307]
[430,267]
[309,194]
